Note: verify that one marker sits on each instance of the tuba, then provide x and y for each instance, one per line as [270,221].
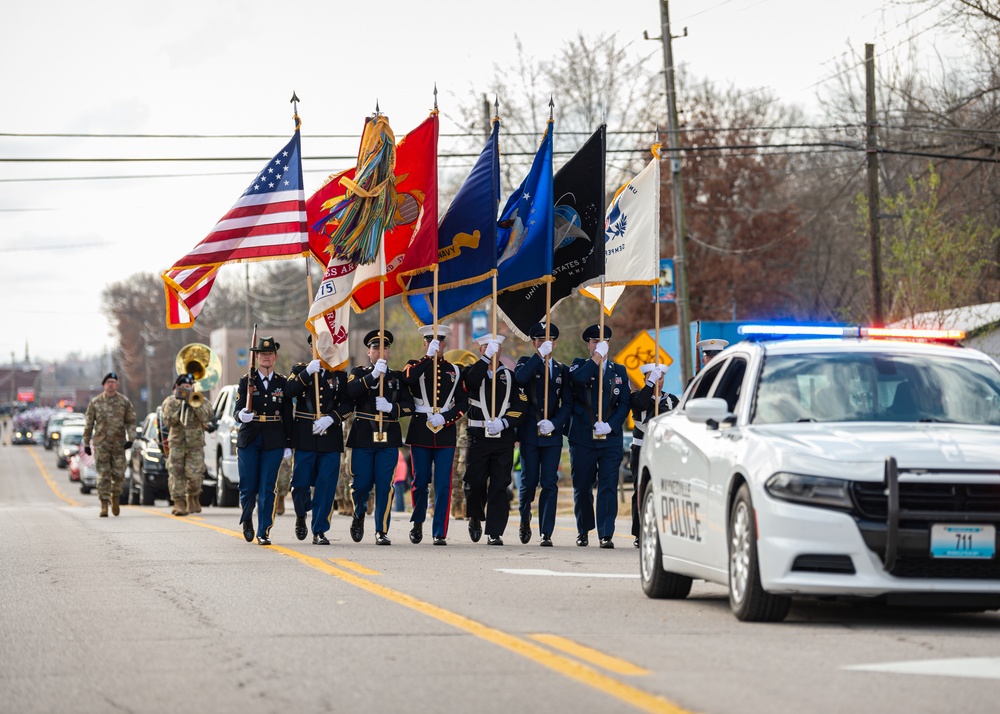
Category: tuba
[463,358]
[201,363]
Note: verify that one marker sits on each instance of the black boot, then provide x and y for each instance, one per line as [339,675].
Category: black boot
[358,528]
[300,528]
[417,533]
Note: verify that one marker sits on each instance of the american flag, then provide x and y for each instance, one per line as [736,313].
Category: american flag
[267,222]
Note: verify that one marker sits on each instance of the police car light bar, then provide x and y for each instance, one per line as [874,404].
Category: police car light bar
[799,330]
[912,333]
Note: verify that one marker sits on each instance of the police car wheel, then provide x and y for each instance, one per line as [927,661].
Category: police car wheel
[747,598]
[656,582]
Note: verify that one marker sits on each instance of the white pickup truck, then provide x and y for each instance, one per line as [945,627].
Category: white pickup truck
[220,449]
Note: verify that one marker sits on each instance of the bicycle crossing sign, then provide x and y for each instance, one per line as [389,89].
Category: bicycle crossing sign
[639,352]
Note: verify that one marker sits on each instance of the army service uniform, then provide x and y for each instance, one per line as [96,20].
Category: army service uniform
[110,425]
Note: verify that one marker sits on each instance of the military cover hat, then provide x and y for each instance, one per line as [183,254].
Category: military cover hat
[266,344]
[376,336]
[428,332]
[110,375]
[183,379]
[489,336]
[713,345]
[594,331]
[537,331]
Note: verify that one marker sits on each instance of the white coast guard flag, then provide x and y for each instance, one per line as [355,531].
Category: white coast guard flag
[632,237]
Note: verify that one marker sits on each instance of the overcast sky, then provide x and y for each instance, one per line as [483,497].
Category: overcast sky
[227,67]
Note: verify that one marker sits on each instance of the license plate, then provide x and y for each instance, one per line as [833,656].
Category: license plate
[963,541]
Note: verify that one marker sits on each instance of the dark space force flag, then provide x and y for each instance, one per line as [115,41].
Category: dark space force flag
[466,236]
[578,193]
[523,242]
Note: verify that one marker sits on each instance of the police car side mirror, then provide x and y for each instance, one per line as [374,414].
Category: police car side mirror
[705,410]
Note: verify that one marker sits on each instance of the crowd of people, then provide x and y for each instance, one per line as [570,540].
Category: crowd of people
[474,413]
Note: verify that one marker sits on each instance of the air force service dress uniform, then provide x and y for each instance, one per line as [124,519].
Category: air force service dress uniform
[491,458]
[643,407]
[373,462]
[318,442]
[540,453]
[432,448]
[591,458]
[261,442]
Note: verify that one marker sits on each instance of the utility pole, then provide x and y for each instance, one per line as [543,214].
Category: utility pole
[871,122]
[680,236]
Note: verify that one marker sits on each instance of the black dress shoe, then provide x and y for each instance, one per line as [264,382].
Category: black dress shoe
[263,540]
[475,530]
[635,543]
[606,542]
[320,539]
[358,529]
[417,533]
[546,541]
[382,539]
[494,540]
[300,527]
[524,532]
[582,540]
[438,540]
[248,531]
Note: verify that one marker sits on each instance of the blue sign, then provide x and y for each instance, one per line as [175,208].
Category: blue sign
[479,322]
[664,292]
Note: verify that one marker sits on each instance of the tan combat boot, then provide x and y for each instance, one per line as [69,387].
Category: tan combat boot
[115,508]
[194,505]
[279,506]
[180,507]
[104,508]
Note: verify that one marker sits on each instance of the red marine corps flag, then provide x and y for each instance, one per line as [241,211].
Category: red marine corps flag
[268,222]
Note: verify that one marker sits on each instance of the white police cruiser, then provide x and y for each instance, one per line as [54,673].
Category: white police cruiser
[863,465]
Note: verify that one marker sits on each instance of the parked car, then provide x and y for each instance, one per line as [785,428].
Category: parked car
[845,468]
[24,432]
[220,449]
[68,444]
[146,477]
[54,427]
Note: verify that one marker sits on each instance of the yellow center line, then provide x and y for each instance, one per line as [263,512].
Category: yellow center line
[599,659]
[50,481]
[565,666]
[351,565]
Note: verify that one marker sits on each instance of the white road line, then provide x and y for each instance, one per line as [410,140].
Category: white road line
[972,667]
[557,574]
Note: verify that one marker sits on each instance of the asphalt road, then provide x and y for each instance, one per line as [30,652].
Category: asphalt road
[152,613]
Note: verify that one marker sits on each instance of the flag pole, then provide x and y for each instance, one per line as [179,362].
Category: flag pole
[494,359]
[309,280]
[548,310]
[656,294]
[600,367]
[435,409]
[380,436]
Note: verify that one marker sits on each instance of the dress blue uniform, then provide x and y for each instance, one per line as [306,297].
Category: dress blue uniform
[596,459]
[643,406]
[317,456]
[432,453]
[260,444]
[373,462]
[540,454]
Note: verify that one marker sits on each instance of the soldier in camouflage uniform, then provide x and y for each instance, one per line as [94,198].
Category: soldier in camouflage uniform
[284,484]
[185,428]
[345,501]
[458,478]
[111,424]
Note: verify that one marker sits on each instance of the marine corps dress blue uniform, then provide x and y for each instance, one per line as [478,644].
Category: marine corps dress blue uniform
[261,443]
[372,461]
[491,458]
[643,407]
[592,458]
[318,442]
[540,453]
[432,451]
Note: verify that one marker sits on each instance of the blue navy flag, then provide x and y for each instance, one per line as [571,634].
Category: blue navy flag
[578,191]
[524,239]
[466,236]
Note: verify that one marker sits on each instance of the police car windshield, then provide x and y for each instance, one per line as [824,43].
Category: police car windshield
[871,386]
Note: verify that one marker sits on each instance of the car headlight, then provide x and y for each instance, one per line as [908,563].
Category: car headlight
[810,490]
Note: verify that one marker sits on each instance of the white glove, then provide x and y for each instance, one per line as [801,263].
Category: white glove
[380,367]
[654,376]
[545,427]
[435,420]
[492,347]
[545,349]
[602,428]
[313,367]
[245,415]
[322,424]
[383,404]
[433,347]
[286,454]
[601,349]
[494,426]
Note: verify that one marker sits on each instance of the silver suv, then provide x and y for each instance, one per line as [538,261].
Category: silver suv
[220,449]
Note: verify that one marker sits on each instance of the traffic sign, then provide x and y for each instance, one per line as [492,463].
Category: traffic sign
[639,352]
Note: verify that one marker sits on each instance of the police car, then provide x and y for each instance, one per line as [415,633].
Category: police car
[860,465]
